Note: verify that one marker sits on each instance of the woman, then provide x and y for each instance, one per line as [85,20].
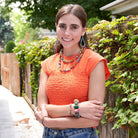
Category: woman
[72,81]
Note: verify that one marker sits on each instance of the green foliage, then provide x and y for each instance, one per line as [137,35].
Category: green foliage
[22,30]
[34,53]
[42,13]
[91,22]
[117,41]
[6,31]
[9,47]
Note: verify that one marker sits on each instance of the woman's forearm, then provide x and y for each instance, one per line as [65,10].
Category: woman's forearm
[89,109]
[55,111]
[70,122]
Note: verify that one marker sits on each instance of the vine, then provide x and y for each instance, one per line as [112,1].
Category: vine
[34,53]
[117,41]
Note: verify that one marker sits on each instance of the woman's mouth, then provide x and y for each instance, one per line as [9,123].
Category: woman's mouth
[67,40]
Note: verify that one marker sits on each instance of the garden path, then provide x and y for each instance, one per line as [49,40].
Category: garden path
[17,119]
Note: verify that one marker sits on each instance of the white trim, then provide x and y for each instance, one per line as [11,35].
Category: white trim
[122,7]
[114,3]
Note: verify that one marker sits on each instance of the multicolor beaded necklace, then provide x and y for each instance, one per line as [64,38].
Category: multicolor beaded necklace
[72,60]
[77,58]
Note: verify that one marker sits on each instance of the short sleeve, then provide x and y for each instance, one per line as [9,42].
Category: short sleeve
[49,64]
[44,66]
[93,60]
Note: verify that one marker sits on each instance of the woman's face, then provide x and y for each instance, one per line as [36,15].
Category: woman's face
[69,30]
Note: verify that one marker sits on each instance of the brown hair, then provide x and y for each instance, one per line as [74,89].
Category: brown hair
[79,12]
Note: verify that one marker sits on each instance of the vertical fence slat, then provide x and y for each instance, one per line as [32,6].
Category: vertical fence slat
[5,70]
[28,91]
[27,86]
[14,75]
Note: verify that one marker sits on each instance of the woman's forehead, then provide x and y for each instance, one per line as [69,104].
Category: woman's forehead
[69,19]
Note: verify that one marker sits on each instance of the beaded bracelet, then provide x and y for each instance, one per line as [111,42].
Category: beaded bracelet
[70,109]
[76,108]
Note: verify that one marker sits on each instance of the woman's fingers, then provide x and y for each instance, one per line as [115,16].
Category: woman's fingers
[38,116]
[43,110]
[91,109]
[97,115]
[99,112]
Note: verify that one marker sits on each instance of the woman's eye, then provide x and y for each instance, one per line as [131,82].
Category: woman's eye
[74,27]
[62,26]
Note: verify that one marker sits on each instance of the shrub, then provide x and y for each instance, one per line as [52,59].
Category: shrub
[117,41]
[92,21]
[9,47]
[34,53]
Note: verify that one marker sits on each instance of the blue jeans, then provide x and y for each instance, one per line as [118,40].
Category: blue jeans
[70,133]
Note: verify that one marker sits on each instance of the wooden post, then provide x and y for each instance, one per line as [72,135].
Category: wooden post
[14,75]
[10,73]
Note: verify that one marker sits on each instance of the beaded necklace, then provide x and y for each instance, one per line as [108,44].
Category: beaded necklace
[72,60]
[77,58]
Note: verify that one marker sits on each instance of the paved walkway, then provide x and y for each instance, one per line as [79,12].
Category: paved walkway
[17,119]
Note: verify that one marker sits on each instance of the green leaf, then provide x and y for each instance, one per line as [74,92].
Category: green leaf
[123,100]
[134,117]
[115,32]
[131,97]
[107,83]
[115,88]
[134,38]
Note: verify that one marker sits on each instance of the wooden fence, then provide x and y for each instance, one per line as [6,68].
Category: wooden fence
[27,87]
[10,74]
[16,80]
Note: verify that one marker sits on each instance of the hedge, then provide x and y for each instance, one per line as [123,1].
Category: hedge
[117,41]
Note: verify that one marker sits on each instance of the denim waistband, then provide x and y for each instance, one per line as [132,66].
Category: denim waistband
[53,133]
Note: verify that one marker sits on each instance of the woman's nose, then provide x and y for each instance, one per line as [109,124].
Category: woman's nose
[67,31]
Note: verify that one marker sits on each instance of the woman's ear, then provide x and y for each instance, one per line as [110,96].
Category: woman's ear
[84,30]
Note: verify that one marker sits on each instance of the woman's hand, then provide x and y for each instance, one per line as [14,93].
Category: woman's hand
[41,113]
[91,109]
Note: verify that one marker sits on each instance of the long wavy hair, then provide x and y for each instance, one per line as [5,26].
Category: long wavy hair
[80,13]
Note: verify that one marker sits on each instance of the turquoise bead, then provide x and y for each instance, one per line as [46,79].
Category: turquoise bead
[76,106]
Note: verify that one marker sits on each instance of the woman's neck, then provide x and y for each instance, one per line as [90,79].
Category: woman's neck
[71,51]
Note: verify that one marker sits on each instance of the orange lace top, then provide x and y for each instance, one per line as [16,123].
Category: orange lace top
[63,87]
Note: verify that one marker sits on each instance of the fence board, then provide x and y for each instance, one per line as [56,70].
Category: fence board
[10,73]
[28,91]
[0,69]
